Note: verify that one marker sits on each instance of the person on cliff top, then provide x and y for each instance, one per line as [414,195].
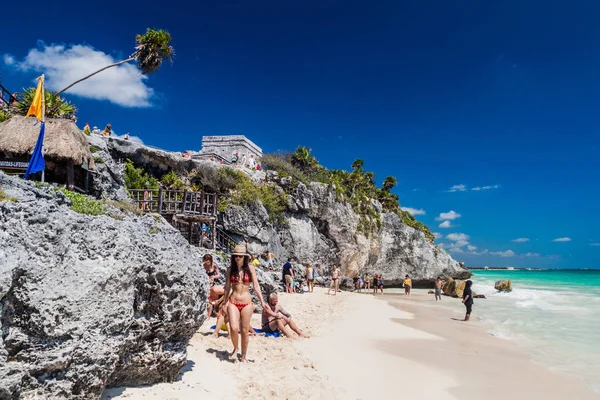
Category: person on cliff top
[216,290]
[107,130]
[407,285]
[288,276]
[310,278]
[381,281]
[255,261]
[438,289]
[467,299]
[244,160]
[275,318]
[86,128]
[238,300]
[335,280]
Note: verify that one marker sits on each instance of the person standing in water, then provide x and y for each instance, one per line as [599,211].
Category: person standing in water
[467,299]
[238,300]
[438,289]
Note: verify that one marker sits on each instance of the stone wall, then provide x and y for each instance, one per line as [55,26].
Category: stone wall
[225,146]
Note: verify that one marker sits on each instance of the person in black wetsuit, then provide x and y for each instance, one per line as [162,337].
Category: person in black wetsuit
[467,299]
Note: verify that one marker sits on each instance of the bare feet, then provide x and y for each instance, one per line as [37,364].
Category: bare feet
[233,353]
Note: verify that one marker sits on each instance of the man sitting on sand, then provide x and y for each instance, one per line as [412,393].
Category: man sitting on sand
[275,318]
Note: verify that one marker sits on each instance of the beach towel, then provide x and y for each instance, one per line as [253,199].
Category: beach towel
[275,335]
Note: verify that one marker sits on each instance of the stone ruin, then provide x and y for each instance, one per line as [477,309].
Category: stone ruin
[223,147]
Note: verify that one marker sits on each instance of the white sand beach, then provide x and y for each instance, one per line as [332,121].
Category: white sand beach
[363,347]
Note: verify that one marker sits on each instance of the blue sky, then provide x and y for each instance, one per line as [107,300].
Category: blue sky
[439,94]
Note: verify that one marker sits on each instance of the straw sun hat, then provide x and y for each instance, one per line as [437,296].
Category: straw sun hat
[239,250]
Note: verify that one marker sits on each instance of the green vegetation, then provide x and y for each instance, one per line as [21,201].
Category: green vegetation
[56,106]
[170,180]
[242,191]
[83,204]
[356,187]
[136,178]
[94,149]
[98,160]
[5,197]
[126,207]
[154,230]
[4,116]
[150,50]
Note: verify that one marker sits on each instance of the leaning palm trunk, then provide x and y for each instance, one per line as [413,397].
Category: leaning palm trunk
[94,73]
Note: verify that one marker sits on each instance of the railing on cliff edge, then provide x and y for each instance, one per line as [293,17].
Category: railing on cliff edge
[183,209]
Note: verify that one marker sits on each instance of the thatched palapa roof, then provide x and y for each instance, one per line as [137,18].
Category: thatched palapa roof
[62,140]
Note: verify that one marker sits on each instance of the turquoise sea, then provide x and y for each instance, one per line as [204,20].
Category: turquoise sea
[554,315]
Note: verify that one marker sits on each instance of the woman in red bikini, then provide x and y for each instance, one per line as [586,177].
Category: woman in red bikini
[238,300]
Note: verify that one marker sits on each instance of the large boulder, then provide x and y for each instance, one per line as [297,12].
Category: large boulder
[453,288]
[504,285]
[90,302]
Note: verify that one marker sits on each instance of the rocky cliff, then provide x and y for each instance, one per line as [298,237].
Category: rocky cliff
[90,301]
[318,228]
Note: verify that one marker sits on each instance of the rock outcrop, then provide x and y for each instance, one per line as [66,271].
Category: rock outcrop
[453,288]
[504,285]
[90,302]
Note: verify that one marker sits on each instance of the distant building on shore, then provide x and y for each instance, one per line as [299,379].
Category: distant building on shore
[224,147]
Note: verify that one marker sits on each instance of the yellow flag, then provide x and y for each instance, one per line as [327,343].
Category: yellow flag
[37,107]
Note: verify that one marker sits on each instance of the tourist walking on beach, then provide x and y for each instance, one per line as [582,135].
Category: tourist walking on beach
[288,276]
[375,283]
[310,278]
[467,299]
[407,285]
[367,282]
[275,318]
[438,289]
[381,281]
[238,300]
[335,281]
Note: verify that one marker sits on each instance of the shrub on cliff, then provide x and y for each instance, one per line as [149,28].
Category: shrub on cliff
[83,204]
[136,178]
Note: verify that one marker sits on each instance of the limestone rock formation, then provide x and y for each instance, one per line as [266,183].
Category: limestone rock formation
[107,179]
[453,288]
[504,285]
[90,302]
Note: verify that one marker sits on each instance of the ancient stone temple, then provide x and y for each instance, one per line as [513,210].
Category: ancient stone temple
[223,147]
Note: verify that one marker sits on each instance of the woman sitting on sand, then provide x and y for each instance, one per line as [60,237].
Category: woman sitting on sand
[275,318]
[215,291]
[238,300]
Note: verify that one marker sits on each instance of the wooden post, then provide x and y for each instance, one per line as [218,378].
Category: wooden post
[202,202]
[213,227]
[183,201]
[190,228]
[160,200]
[214,204]
[70,175]
[86,181]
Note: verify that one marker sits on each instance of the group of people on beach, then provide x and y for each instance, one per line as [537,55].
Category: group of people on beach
[231,301]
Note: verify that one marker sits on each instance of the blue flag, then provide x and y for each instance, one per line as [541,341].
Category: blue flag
[36,162]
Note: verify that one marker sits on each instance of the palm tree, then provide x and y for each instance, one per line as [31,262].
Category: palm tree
[358,164]
[152,47]
[303,159]
[389,183]
[56,106]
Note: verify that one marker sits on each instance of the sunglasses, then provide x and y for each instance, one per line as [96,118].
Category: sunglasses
[236,256]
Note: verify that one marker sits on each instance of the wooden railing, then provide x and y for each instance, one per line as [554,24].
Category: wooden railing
[176,202]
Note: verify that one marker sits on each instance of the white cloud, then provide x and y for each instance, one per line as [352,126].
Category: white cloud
[457,188]
[437,235]
[123,85]
[520,240]
[8,59]
[531,255]
[562,239]
[445,224]
[450,215]
[413,211]
[455,237]
[507,253]
[595,244]
[471,248]
[479,188]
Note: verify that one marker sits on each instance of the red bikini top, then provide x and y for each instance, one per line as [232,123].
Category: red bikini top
[235,280]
